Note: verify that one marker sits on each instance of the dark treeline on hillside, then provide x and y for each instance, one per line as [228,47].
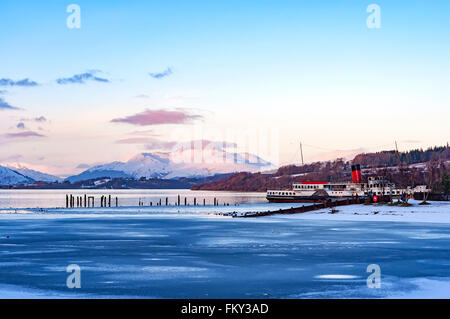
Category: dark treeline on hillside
[403,174]
[392,158]
[125,183]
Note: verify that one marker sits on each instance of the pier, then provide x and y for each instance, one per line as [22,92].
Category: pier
[302,209]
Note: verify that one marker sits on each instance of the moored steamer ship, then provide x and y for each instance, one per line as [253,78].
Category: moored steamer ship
[317,191]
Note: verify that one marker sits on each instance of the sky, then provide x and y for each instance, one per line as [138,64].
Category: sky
[139,76]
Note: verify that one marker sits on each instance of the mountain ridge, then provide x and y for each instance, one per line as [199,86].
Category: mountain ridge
[169,166]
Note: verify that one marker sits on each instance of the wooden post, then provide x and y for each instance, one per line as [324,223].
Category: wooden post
[195,201]
[204,202]
[179,200]
[109,201]
[185,201]
[117,202]
[167,201]
[67,201]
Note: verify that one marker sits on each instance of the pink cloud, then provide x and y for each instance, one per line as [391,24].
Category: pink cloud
[157,117]
[23,134]
[135,140]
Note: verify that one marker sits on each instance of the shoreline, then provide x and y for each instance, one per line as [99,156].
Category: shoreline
[436,213]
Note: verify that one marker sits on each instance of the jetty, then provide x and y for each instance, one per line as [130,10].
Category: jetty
[302,209]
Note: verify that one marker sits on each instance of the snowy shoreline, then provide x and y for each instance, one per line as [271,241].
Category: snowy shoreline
[436,212]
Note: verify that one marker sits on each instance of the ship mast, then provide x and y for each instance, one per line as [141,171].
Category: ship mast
[303,163]
[301,152]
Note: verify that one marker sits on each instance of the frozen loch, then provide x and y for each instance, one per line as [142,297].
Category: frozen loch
[189,252]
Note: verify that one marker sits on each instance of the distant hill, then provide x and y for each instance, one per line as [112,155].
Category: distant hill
[11,177]
[418,167]
[33,174]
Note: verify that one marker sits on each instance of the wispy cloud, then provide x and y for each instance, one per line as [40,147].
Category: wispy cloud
[40,119]
[11,158]
[411,141]
[6,106]
[142,96]
[83,166]
[162,74]
[24,82]
[23,134]
[149,132]
[199,145]
[149,142]
[157,117]
[346,154]
[135,140]
[82,78]
[152,144]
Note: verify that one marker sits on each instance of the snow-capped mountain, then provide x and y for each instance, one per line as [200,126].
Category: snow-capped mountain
[33,174]
[182,163]
[10,177]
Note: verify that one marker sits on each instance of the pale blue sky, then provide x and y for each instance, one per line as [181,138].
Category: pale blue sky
[311,69]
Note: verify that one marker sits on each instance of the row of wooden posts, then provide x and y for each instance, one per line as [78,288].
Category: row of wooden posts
[89,201]
[107,201]
[179,202]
